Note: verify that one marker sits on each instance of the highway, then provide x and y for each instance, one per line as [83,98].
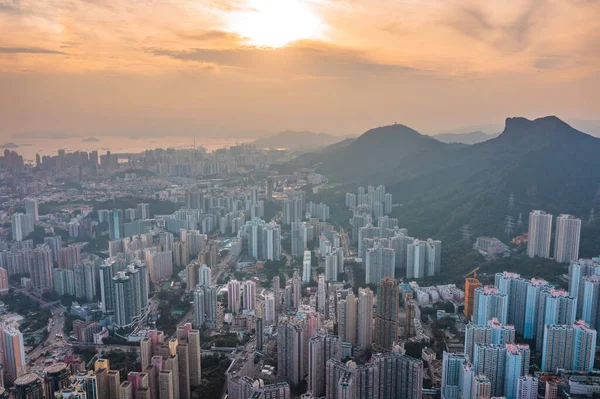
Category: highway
[56,326]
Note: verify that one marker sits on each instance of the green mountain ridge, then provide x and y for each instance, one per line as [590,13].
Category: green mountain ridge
[546,163]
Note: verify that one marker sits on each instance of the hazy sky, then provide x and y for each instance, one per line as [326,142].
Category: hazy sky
[245,66]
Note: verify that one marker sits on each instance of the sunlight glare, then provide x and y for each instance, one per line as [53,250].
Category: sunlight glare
[275,23]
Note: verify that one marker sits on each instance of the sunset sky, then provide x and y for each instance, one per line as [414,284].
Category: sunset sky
[249,67]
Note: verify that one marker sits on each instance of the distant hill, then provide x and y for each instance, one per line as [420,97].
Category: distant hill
[297,140]
[465,138]
[9,145]
[90,140]
[546,163]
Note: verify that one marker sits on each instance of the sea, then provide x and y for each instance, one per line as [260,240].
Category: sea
[28,148]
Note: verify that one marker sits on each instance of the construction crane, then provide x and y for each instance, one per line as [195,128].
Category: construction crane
[473,272]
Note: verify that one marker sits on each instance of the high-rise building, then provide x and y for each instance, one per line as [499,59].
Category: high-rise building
[493,333]
[577,271]
[204,275]
[416,252]
[248,295]
[233,296]
[129,293]
[386,314]
[400,376]
[299,238]
[540,231]
[269,189]
[490,360]
[22,225]
[270,310]
[570,347]
[365,319]
[380,263]
[566,239]
[591,301]
[490,303]
[143,211]
[452,364]
[321,348]
[291,348]
[41,269]
[334,264]
[346,317]
[555,306]
[517,365]
[471,284]
[264,239]
[306,267]
[116,223]
[4,287]
[534,289]
[527,387]
[29,386]
[31,208]
[205,307]
[166,384]
[13,351]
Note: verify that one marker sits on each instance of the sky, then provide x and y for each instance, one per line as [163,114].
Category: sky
[251,67]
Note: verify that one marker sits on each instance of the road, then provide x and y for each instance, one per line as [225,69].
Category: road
[56,326]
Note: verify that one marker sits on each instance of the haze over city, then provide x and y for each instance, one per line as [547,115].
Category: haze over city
[299,199]
[245,68]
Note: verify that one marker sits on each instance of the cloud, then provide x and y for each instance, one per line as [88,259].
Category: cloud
[471,20]
[28,50]
[303,58]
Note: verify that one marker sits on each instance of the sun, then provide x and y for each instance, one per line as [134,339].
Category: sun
[275,23]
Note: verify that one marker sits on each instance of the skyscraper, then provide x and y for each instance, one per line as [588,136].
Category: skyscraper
[534,289]
[571,347]
[400,376]
[306,267]
[233,296]
[248,295]
[517,365]
[591,301]
[555,306]
[365,319]
[14,351]
[321,348]
[493,333]
[452,364]
[540,231]
[471,284]
[346,317]
[386,314]
[490,360]
[299,238]
[416,252]
[291,347]
[490,303]
[566,239]
[527,387]
[116,223]
[380,263]
[31,208]
[41,269]
[205,307]
[577,271]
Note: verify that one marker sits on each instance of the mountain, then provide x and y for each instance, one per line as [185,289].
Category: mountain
[9,145]
[465,138]
[297,140]
[90,140]
[373,154]
[545,163]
